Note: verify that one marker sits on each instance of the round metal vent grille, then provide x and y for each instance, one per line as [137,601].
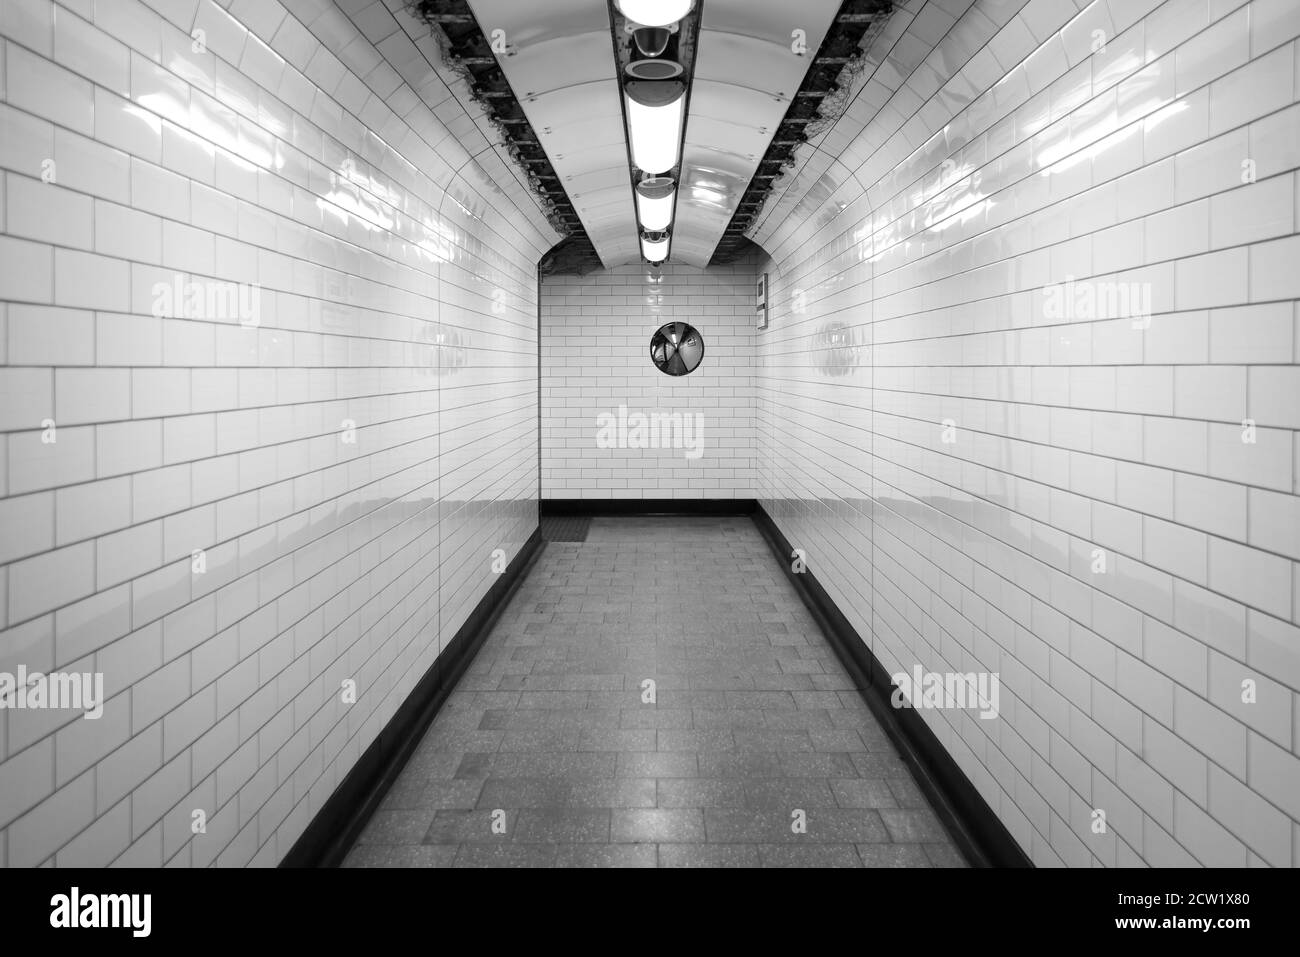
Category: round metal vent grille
[677,348]
[653,69]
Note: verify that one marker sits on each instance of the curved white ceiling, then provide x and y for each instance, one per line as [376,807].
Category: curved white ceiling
[746,73]
[560,65]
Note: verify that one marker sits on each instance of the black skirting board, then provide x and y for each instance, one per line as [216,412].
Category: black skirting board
[336,826]
[975,828]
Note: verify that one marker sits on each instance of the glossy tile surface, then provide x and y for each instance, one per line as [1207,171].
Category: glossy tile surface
[554,737]
[305,474]
[995,464]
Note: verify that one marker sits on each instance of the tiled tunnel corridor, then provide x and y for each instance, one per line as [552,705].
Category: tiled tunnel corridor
[649,433]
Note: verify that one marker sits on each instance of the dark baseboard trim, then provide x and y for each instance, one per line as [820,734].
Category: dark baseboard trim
[337,825]
[648,506]
[974,826]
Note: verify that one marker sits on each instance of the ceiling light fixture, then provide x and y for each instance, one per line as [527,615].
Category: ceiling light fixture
[654,13]
[655,250]
[651,41]
[654,202]
[655,111]
[652,69]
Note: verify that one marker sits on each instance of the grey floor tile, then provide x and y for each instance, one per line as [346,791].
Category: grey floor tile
[540,739]
[818,765]
[462,739]
[439,795]
[945,855]
[787,793]
[701,792]
[401,855]
[406,794]
[658,764]
[617,739]
[612,793]
[562,826]
[809,720]
[397,826]
[753,717]
[863,792]
[845,740]
[483,825]
[523,792]
[877,765]
[734,718]
[808,855]
[708,855]
[772,826]
[746,765]
[553,764]
[914,825]
[506,855]
[653,719]
[431,765]
[657,825]
[772,740]
[715,739]
[473,766]
[893,855]
[607,855]
[906,793]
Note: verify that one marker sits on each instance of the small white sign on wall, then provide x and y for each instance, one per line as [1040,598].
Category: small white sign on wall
[760,306]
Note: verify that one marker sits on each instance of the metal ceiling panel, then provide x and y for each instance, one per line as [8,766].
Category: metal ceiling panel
[560,64]
[746,71]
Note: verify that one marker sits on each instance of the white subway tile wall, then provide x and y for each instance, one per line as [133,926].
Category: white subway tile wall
[269,404]
[596,332]
[997,462]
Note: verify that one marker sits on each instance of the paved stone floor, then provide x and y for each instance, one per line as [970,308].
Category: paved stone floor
[548,737]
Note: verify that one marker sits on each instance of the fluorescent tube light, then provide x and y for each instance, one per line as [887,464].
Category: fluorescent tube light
[655,13]
[655,133]
[654,250]
[654,203]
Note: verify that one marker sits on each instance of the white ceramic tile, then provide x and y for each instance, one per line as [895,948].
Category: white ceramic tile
[1251,334]
[153,148]
[123,125]
[80,47]
[45,89]
[1275,396]
[1261,210]
[131,22]
[47,212]
[45,336]
[26,271]
[1272,22]
[1192,507]
[1275,774]
[31,23]
[126,233]
[1270,277]
[84,396]
[1257,89]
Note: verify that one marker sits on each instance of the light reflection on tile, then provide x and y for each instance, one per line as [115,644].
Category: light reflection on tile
[1072,433]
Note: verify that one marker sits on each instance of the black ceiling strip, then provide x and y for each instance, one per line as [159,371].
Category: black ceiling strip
[841,46]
